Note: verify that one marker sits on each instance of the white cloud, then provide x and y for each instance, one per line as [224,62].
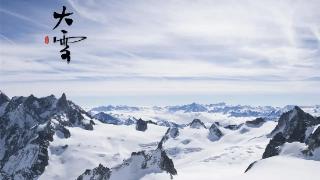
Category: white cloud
[175,46]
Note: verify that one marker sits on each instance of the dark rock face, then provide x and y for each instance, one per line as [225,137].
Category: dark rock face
[233,126]
[313,142]
[258,122]
[250,166]
[3,98]
[140,163]
[197,124]
[98,173]
[141,125]
[273,148]
[107,118]
[164,139]
[174,132]
[166,164]
[27,126]
[62,102]
[293,125]
[214,133]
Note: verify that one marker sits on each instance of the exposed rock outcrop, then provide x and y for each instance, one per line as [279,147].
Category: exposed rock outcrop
[258,122]
[197,124]
[293,125]
[3,98]
[174,132]
[214,133]
[141,125]
[274,146]
[233,126]
[250,166]
[138,165]
[313,142]
[98,173]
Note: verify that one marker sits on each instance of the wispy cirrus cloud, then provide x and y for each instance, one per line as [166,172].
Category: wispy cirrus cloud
[164,47]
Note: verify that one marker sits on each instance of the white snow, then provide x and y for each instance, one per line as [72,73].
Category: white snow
[274,168]
[193,154]
[191,151]
[106,144]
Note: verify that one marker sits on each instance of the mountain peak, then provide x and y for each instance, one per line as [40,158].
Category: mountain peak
[293,124]
[214,133]
[297,108]
[3,98]
[197,124]
[62,101]
[63,96]
[141,125]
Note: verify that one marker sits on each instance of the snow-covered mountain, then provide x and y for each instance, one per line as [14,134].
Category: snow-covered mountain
[53,138]
[297,134]
[184,114]
[27,127]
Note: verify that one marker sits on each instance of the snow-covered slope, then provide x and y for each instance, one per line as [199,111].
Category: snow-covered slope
[297,135]
[107,144]
[197,158]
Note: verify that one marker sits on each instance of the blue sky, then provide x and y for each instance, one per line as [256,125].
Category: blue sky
[150,52]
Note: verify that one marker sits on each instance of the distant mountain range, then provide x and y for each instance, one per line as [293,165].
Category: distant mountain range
[230,110]
[164,115]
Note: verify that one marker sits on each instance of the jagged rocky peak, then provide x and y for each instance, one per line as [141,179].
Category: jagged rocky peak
[214,133]
[74,114]
[98,173]
[27,127]
[258,122]
[138,165]
[141,125]
[197,124]
[274,146]
[293,125]
[3,98]
[62,102]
